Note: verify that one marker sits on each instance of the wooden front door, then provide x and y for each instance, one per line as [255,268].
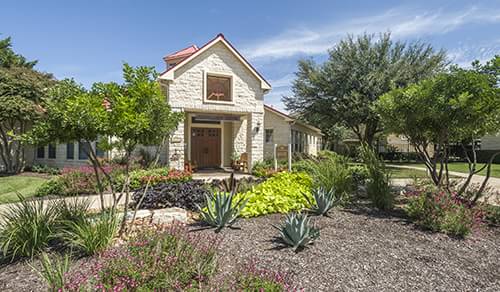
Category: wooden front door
[206,147]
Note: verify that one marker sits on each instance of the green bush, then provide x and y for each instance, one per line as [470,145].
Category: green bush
[442,211]
[282,193]
[359,173]
[168,260]
[138,178]
[26,228]
[331,172]
[378,187]
[265,168]
[39,168]
[52,187]
[492,214]
[91,235]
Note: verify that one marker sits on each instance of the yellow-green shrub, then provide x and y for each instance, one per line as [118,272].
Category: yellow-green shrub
[282,193]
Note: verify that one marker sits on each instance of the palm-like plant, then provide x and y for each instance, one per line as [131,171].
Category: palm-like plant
[221,210]
[297,231]
[324,200]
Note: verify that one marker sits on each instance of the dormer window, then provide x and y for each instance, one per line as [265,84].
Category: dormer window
[218,88]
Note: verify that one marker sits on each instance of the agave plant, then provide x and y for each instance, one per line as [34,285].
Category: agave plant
[221,211]
[297,231]
[324,200]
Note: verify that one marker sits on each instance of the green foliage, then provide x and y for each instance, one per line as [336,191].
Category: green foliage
[92,234]
[51,187]
[378,186]
[453,108]
[27,227]
[8,58]
[441,211]
[282,193]
[297,231]
[222,209]
[42,168]
[359,173]
[21,91]
[492,214]
[343,90]
[324,200]
[153,260]
[139,177]
[265,168]
[331,171]
[54,272]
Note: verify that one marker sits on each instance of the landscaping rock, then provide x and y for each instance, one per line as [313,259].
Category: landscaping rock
[168,215]
[161,216]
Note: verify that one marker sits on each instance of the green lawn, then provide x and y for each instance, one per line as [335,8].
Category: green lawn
[459,167]
[25,185]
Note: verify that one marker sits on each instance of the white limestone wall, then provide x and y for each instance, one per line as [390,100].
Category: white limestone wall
[281,132]
[176,149]
[186,90]
[255,138]
[240,136]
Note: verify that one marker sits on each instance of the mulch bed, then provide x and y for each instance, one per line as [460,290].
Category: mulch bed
[358,250]
[363,250]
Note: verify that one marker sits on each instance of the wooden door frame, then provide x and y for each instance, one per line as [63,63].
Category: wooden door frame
[200,125]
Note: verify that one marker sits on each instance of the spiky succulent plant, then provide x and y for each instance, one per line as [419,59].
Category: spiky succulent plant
[220,210]
[297,231]
[324,200]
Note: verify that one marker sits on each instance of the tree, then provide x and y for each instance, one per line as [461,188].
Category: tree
[120,116]
[21,90]
[456,107]
[343,90]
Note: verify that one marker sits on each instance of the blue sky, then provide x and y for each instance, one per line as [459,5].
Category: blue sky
[89,40]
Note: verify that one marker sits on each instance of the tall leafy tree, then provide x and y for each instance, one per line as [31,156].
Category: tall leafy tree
[120,116]
[343,90]
[456,107]
[21,90]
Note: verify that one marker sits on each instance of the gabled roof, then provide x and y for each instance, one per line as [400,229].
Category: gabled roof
[291,119]
[169,73]
[186,52]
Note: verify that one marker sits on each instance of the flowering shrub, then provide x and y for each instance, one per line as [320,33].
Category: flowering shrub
[282,193]
[168,260]
[439,210]
[139,178]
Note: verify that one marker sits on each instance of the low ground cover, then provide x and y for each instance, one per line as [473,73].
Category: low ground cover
[25,185]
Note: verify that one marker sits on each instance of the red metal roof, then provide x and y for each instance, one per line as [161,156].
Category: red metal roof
[186,52]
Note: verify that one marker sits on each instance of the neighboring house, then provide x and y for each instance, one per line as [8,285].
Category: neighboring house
[222,98]
[490,142]
[282,129]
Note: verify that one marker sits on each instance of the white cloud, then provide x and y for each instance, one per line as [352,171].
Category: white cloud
[400,22]
[464,55]
[283,81]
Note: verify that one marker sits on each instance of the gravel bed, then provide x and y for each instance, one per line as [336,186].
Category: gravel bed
[358,250]
[361,250]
